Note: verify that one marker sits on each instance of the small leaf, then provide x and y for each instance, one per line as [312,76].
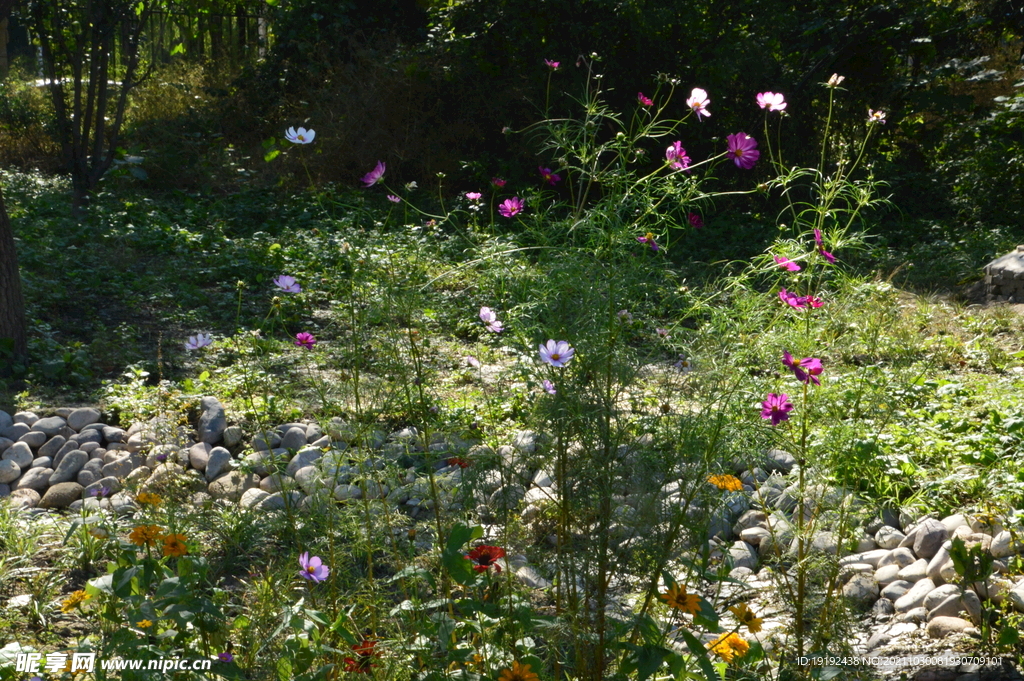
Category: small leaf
[271,155]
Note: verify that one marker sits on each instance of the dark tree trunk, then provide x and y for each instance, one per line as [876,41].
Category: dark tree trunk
[12,307]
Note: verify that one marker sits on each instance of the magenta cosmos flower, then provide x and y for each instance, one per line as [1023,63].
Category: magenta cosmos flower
[305,340]
[676,156]
[553,65]
[549,176]
[473,196]
[649,240]
[774,101]
[313,568]
[787,264]
[394,199]
[698,102]
[549,387]
[374,176]
[287,284]
[776,408]
[556,353]
[497,182]
[792,299]
[511,207]
[488,317]
[644,101]
[198,341]
[821,247]
[695,220]
[300,136]
[743,150]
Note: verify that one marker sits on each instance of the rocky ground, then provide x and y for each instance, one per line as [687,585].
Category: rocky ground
[917,621]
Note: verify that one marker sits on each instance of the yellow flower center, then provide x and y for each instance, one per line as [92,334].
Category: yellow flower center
[555,356]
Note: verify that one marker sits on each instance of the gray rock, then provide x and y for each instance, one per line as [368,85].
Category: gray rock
[346,492]
[527,441]
[915,597]
[896,589]
[294,438]
[252,497]
[929,537]
[506,498]
[68,446]
[917,615]
[42,462]
[86,477]
[952,606]
[877,640]
[69,465]
[25,497]
[872,558]
[754,535]
[972,605]
[199,455]
[5,490]
[110,483]
[314,432]
[33,439]
[232,436]
[279,500]
[825,542]
[52,446]
[220,461]
[5,444]
[1003,545]
[213,422]
[778,460]
[1016,596]
[9,471]
[309,479]
[6,421]
[305,457]
[887,574]
[89,447]
[34,478]
[954,521]
[82,417]
[232,485]
[941,557]
[15,431]
[276,483]
[899,556]
[113,434]
[61,494]
[941,627]
[743,555]
[26,417]
[914,572]
[882,610]
[50,426]
[862,590]
[119,468]
[939,594]
[137,476]
[21,454]
[752,518]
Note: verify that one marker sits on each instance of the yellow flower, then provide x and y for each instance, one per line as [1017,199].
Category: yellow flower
[174,545]
[728,646]
[146,535]
[144,624]
[74,600]
[747,617]
[518,672]
[729,483]
[149,498]
[676,597]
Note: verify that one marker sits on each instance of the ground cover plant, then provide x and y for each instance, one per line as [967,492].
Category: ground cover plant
[453,351]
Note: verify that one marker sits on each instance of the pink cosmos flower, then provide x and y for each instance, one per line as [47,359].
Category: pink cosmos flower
[773,100]
[553,65]
[645,101]
[497,182]
[876,116]
[305,340]
[698,102]
[313,569]
[488,317]
[287,284]
[743,149]
[374,176]
[556,353]
[821,247]
[812,301]
[794,366]
[695,220]
[787,264]
[776,408]
[394,199]
[548,176]
[649,240]
[198,341]
[473,196]
[549,387]
[511,207]
[814,369]
[472,361]
[662,332]
[676,156]
[792,299]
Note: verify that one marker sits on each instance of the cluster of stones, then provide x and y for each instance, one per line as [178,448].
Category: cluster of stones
[1004,278]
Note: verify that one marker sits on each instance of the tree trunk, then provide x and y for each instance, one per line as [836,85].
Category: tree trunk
[12,307]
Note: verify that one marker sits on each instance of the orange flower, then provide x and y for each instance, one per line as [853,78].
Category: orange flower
[74,600]
[729,483]
[149,498]
[174,545]
[728,646]
[144,624]
[518,672]
[146,535]
[747,617]
[677,598]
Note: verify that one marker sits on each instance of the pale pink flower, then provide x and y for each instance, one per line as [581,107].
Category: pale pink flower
[787,264]
[473,196]
[511,207]
[698,102]
[773,100]
[676,156]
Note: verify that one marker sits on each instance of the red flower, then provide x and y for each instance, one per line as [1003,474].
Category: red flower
[486,557]
[457,461]
[363,660]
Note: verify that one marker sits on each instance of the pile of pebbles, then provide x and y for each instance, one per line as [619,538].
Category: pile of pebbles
[901,576]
